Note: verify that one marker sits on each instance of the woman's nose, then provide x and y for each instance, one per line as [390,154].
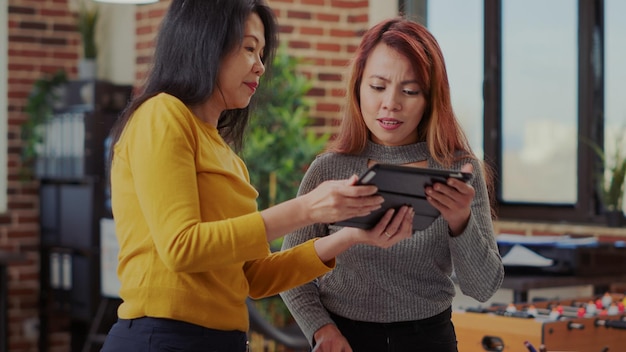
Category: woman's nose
[391,101]
[259,67]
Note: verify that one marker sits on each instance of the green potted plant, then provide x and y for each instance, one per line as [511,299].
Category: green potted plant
[278,149]
[39,108]
[279,145]
[611,181]
[86,20]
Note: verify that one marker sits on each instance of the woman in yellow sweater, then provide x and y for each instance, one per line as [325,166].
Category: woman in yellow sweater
[193,245]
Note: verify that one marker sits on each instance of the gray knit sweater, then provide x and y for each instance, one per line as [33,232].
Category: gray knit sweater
[409,281]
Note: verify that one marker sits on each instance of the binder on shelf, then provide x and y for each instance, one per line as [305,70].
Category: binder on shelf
[73,139]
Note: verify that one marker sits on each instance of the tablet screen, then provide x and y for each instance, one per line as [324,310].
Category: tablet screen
[403,185]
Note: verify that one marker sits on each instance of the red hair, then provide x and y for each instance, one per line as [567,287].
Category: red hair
[439,126]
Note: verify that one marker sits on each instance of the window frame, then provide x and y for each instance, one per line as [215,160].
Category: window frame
[588,207]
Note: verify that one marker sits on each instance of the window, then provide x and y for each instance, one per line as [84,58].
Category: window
[458,27]
[539,101]
[615,73]
[543,101]
[532,83]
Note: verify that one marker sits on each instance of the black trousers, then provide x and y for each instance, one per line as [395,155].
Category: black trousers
[434,334]
[160,335]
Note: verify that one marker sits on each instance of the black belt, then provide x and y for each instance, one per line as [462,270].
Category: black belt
[396,327]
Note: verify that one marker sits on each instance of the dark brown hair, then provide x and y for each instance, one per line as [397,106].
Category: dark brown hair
[194,37]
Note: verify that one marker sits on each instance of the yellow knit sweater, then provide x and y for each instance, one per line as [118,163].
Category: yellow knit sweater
[192,243]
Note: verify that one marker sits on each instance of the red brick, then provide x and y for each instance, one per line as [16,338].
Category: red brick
[286,29]
[328,107]
[27,53]
[342,33]
[68,56]
[338,92]
[359,19]
[326,17]
[346,4]
[157,14]
[21,10]
[55,13]
[64,28]
[311,30]
[298,44]
[54,41]
[301,15]
[143,59]
[14,94]
[340,62]
[144,45]
[22,39]
[328,47]
[316,61]
[143,30]
[329,77]
[352,48]
[33,25]
[316,92]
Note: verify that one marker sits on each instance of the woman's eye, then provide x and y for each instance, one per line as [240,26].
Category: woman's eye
[376,87]
[411,92]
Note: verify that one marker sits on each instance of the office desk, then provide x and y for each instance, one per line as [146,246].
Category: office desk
[522,284]
[5,260]
[525,288]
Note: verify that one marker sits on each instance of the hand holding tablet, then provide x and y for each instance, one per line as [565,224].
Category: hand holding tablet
[403,185]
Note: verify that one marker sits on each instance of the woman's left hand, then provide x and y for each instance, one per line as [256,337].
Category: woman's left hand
[453,200]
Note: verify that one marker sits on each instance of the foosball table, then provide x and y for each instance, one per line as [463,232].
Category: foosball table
[588,324]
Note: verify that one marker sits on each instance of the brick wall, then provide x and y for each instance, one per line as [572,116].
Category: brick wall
[324,33]
[41,39]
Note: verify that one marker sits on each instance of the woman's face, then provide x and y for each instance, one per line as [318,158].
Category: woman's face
[392,102]
[238,77]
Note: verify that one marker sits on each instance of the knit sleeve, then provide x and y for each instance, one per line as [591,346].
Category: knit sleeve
[476,259]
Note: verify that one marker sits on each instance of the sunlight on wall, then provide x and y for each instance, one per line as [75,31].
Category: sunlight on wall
[116,58]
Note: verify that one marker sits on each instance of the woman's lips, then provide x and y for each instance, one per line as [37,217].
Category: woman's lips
[252,85]
[389,124]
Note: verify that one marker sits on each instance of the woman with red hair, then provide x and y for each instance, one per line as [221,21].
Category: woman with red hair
[399,298]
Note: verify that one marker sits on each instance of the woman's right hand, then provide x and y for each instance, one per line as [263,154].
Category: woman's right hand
[329,339]
[387,233]
[334,201]
[329,202]
[392,228]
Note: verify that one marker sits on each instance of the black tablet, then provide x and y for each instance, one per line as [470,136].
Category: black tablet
[403,185]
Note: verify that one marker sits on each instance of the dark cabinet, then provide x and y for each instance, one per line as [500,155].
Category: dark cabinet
[71,169]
